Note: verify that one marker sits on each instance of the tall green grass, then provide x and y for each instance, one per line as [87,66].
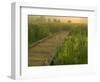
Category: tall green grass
[74,48]
[38,31]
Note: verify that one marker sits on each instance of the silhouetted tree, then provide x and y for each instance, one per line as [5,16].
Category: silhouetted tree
[49,20]
[69,21]
[54,20]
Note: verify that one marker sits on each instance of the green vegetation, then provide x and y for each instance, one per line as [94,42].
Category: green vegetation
[39,31]
[74,48]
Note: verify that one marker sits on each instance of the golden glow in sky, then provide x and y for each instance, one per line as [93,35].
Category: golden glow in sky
[63,19]
[72,19]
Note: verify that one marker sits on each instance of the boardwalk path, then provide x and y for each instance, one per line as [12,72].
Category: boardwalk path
[43,52]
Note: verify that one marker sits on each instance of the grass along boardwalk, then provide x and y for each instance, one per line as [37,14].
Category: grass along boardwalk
[43,53]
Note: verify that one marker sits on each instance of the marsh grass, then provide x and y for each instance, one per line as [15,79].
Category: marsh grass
[74,48]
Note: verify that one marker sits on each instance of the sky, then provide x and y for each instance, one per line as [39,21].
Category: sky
[63,19]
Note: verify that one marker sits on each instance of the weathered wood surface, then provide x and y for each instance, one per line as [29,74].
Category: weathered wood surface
[43,53]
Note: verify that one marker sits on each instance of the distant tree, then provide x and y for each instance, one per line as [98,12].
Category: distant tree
[69,21]
[49,20]
[55,20]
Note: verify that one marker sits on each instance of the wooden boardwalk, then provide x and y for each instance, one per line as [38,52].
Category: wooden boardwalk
[43,53]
